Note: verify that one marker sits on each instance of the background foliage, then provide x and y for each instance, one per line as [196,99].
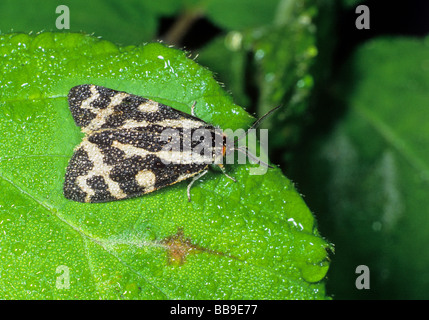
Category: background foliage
[353,136]
[254,239]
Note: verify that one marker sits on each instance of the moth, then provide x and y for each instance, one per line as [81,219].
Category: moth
[123,152]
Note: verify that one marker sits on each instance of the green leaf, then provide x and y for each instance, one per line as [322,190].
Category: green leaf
[351,4]
[124,22]
[268,63]
[224,13]
[254,239]
[374,170]
[229,66]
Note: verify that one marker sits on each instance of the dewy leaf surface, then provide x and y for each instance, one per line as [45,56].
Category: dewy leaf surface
[254,239]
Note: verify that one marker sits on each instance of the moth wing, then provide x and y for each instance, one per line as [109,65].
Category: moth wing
[95,108]
[115,164]
[120,156]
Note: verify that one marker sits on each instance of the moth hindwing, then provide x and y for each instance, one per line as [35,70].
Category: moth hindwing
[123,152]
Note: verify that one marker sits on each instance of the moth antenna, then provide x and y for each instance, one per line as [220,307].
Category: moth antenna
[253,157]
[224,172]
[258,122]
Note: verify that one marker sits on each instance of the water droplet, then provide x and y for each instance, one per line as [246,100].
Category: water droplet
[131,291]
[18,248]
[314,272]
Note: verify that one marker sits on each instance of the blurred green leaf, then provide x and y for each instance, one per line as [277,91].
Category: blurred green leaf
[123,22]
[268,63]
[351,4]
[228,65]
[254,239]
[224,13]
[369,177]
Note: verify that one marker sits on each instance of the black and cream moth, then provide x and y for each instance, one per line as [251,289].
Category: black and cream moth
[121,154]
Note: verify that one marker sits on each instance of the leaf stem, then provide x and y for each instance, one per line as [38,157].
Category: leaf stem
[184,22]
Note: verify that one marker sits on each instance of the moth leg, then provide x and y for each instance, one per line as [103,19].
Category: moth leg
[224,172]
[195,178]
[193,109]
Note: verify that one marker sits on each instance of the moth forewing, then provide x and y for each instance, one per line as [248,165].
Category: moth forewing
[121,155]
[134,146]
[173,145]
